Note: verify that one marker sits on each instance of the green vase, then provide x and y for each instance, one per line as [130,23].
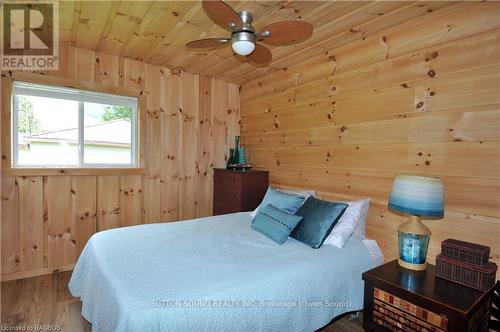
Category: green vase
[231,160]
[236,148]
[242,160]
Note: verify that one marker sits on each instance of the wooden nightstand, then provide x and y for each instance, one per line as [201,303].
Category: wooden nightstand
[397,299]
[237,191]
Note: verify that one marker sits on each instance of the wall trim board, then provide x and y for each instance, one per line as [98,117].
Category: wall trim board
[71,83]
[71,171]
[35,273]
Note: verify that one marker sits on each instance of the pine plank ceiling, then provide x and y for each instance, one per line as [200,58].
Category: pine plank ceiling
[156,31]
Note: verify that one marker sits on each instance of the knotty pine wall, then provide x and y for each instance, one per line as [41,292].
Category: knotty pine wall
[422,97]
[186,125]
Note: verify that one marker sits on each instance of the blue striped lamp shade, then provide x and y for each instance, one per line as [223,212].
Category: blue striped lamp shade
[418,195]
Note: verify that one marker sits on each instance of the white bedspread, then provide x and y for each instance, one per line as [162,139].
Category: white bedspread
[214,274]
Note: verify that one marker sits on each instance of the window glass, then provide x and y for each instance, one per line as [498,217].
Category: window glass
[47,131]
[107,134]
[61,127]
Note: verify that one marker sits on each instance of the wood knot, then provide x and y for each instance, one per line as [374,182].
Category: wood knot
[431,73]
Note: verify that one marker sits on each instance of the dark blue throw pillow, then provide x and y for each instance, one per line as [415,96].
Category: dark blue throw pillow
[275,223]
[318,219]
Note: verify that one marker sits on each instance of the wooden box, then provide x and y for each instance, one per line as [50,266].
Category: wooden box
[479,277]
[467,252]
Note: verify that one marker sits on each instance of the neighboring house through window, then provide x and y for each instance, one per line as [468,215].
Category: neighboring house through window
[61,127]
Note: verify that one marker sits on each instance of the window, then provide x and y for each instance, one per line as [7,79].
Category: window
[62,127]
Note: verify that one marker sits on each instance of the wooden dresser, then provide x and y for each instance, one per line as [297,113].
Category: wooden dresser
[397,299]
[237,191]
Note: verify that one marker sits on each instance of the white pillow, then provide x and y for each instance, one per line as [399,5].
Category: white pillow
[302,192]
[360,231]
[354,214]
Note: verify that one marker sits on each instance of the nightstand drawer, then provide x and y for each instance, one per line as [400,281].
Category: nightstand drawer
[394,312]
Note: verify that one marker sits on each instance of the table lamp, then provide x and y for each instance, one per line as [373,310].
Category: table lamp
[418,197]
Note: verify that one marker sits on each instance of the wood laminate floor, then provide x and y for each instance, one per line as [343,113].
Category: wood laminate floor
[46,300]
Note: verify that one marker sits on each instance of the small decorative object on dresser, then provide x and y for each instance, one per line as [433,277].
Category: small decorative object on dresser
[237,159]
[398,299]
[231,160]
[237,191]
[418,197]
[242,158]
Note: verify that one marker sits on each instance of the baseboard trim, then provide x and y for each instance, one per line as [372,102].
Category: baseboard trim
[38,272]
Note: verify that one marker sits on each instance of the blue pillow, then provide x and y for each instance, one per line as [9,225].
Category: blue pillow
[287,202]
[275,223]
[318,219]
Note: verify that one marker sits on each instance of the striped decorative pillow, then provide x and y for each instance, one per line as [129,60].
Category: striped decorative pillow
[274,223]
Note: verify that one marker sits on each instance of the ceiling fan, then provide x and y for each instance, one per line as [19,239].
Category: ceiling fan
[244,38]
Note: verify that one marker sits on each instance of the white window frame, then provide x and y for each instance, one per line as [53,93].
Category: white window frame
[81,96]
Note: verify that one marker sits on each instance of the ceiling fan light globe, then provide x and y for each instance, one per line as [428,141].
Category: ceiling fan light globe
[243,47]
[243,42]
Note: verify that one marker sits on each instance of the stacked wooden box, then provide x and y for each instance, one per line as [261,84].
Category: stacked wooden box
[466,263]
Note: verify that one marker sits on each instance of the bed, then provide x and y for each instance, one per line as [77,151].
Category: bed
[215,274]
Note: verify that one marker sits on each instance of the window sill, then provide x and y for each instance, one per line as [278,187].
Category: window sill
[71,171]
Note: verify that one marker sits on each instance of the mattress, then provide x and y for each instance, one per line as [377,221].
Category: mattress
[214,273]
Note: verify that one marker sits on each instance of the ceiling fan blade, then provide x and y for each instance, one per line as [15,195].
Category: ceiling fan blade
[222,14]
[260,56]
[209,42]
[287,32]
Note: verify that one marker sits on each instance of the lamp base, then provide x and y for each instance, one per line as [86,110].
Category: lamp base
[411,266]
[414,239]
